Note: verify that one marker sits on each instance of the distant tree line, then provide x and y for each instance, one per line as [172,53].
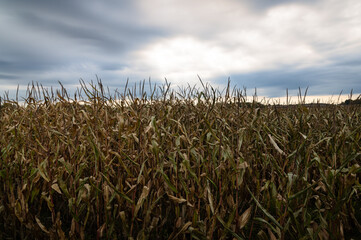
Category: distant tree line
[352,102]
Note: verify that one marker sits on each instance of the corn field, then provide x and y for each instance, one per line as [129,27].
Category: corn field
[191,163]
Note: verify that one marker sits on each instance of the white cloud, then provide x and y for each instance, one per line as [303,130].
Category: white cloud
[264,44]
[182,58]
[221,38]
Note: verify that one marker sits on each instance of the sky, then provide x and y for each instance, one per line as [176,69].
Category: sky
[270,45]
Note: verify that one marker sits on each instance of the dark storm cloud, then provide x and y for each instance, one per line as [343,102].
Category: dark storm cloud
[43,36]
[75,10]
[84,33]
[105,34]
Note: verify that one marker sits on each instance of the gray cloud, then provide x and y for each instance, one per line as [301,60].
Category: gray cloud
[261,5]
[4,76]
[85,34]
[47,41]
[320,80]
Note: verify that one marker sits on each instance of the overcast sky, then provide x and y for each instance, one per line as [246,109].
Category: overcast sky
[271,44]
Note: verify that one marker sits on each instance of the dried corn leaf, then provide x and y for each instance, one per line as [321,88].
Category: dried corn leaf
[55,186]
[244,218]
[141,199]
[177,200]
[41,225]
[275,145]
